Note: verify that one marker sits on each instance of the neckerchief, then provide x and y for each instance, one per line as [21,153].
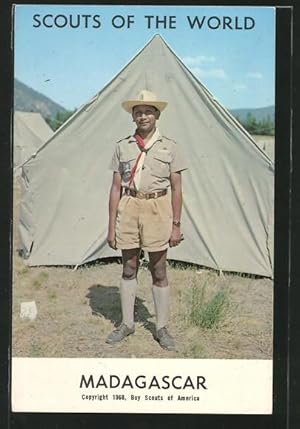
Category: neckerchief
[135,174]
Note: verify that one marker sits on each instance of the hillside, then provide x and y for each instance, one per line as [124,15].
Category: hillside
[259,114]
[27,99]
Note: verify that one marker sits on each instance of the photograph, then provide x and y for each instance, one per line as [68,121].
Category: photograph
[143,208]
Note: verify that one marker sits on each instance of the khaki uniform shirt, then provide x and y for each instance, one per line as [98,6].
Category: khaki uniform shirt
[162,159]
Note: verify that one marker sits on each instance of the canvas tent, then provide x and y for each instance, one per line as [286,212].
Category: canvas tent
[30,132]
[227,215]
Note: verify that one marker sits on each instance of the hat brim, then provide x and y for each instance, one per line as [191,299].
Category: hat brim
[129,105]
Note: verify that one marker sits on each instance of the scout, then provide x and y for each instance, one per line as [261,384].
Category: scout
[144,211]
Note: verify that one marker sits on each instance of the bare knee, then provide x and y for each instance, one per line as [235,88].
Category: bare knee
[129,270]
[159,275]
[130,260]
[158,268]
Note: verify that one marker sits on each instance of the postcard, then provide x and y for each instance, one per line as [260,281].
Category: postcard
[144,165]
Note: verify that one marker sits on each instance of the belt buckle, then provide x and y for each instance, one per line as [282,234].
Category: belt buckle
[140,195]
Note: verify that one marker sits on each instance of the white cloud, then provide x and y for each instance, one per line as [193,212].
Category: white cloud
[198,60]
[214,73]
[239,87]
[254,75]
[202,67]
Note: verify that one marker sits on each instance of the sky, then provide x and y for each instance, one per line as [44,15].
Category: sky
[68,53]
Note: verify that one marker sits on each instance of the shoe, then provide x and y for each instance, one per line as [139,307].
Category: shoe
[165,340]
[119,334]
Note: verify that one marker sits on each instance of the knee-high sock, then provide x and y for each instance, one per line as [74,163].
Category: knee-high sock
[161,297]
[127,293]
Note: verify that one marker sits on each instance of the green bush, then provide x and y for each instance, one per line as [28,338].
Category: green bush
[208,312]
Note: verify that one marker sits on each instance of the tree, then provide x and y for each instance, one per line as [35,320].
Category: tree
[59,119]
[260,127]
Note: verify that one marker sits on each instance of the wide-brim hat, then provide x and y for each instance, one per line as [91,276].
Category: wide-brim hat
[147,98]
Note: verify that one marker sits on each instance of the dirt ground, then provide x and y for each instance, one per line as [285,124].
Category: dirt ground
[78,309]
[267,144]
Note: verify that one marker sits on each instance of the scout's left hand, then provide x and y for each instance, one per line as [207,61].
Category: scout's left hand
[175,236]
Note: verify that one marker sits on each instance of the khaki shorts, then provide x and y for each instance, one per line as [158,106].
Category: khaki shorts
[145,224]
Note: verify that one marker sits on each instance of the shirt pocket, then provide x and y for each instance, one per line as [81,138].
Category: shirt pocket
[161,164]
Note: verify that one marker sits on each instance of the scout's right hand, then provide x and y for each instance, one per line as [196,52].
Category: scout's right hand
[111,240]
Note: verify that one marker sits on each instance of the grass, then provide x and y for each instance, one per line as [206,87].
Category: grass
[23,271]
[35,350]
[208,311]
[43,276]
[40,279]
[197,351]
[52,294]
[37,284]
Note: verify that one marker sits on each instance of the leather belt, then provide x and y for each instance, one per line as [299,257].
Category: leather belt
[144,195]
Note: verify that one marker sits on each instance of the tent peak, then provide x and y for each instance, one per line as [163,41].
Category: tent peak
[157,36]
